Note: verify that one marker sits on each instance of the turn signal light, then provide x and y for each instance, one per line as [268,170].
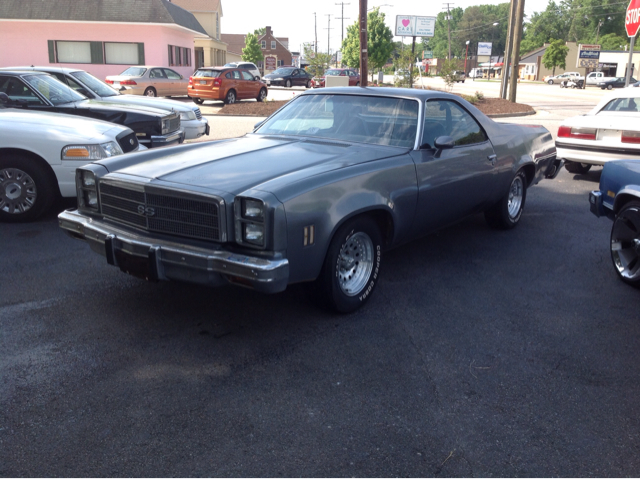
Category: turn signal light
[630,137]
[577,133]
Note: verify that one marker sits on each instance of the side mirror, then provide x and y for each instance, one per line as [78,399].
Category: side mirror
[257,125]
[444,142]
[4,98]
[181,77]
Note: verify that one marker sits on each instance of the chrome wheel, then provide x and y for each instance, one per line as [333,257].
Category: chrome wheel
[516,194]
[150,92]
[231,97]
[263,95]
[18,192]
[355,263]
[625,243]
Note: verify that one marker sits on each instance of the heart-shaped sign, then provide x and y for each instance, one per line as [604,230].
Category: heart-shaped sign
[406,22]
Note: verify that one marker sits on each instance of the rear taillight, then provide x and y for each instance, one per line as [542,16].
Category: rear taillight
[217,82]
[577,133]
[128,82]
[630,137]
[109,82]
[191,81]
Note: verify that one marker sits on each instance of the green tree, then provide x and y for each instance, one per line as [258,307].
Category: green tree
[446,72]
[260,31]
[402,64]
[555,55]
[612,41]
[379,42]
[317,62]
[252,51]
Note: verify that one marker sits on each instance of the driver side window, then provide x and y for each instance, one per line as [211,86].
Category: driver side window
[16,90]
[447,118]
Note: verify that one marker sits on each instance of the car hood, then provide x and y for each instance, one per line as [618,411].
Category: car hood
[106,105]
[73,128]
[253,161]
[148,102]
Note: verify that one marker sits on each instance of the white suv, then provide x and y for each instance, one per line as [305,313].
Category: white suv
[253,69]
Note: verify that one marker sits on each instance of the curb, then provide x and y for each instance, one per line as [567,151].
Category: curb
[507,115]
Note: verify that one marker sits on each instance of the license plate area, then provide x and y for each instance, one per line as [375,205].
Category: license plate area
[203,82]
[135,266]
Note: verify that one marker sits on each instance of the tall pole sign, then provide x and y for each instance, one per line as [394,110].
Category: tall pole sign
[631,24]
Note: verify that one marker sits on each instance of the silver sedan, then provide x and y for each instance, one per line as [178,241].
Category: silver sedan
[149,81]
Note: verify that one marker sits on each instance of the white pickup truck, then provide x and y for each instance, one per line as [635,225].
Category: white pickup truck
[594,78]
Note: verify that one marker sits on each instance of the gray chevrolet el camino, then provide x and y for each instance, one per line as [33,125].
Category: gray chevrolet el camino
[316,193]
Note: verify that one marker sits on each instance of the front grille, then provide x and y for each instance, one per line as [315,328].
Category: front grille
[162,210]
[128,142]
[198,113]
[174,123]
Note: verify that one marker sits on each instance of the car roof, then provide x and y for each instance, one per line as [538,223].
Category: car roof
[43,69]
[384,91]
[17,72]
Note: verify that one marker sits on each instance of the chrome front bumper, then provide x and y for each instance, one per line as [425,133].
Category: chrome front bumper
[169,139]
[154,260]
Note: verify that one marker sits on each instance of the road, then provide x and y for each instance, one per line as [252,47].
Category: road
[482,353]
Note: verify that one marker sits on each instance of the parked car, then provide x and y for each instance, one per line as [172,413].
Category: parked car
[191,120]
[618,82]
[594,78]
[39,154]
[458,76]
[41,92]
[288,77]
[250,67]
[354,76]
[225,84]
[551,80]
[610,131]
[316,193]
[149,81]
[618,198]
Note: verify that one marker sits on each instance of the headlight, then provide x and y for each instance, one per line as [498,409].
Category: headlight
[278,79]
[253,234]
[252,209]
[111,148]
[187,115]
[87,190]
[91,152]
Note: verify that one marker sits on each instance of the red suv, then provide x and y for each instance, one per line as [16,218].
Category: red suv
[354,76]
[225,84]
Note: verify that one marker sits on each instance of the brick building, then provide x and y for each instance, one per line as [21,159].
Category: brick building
[275,49]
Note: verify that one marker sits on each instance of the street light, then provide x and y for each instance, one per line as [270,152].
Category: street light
[465,58]
[492,32]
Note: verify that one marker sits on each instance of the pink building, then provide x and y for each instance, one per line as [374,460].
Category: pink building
[103,37]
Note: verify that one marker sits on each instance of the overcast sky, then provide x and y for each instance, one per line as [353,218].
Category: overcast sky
[295,19]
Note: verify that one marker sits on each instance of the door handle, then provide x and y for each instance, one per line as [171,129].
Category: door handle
[492,159]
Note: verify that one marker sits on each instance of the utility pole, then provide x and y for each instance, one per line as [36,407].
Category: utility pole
[449,26]
[315,19]
[364,55]
[343,18]
[504,83]
[328,29]
[517,36]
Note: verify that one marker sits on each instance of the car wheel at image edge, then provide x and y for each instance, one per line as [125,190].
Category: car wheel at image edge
[26,190]
[262,95]
[230,99]
[625,243]
[575,167]
[506,213]
[352,266]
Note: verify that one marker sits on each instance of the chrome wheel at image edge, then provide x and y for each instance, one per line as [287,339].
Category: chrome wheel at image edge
[18,192]
[355,263]
[516,193]
[625,243]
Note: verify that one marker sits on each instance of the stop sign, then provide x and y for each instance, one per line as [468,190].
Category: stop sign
[632,20]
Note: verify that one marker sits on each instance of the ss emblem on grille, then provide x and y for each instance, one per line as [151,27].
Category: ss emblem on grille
[146,210]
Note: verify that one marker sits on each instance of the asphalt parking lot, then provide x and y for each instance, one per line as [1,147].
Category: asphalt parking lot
[482,353]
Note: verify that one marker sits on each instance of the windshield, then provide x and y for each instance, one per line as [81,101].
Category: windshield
[53,90]
[133,72]
[356,118]
[207,74]
[95,85]
[283,71]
